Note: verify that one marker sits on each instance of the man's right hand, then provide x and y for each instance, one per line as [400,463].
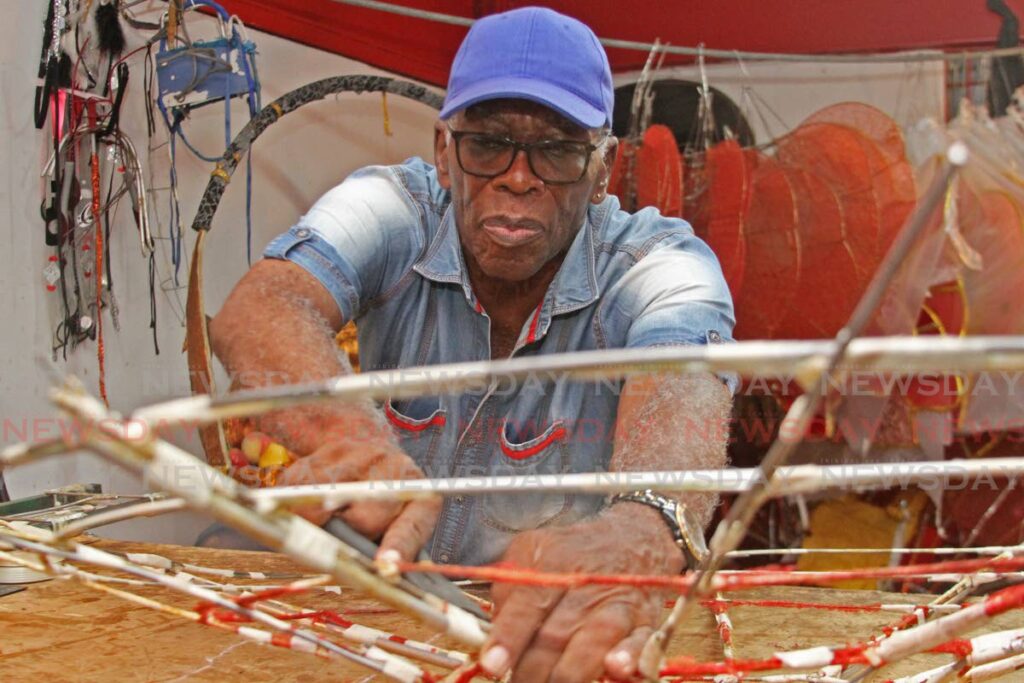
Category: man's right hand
[334,442]
[401,527]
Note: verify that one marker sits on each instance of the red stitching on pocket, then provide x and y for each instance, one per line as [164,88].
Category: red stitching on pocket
[533,450]
[403,422]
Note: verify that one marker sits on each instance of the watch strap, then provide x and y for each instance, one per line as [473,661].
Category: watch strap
[682,523]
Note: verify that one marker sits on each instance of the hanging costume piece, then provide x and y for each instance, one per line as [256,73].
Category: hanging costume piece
[108,29]
[827,265]
[54,63]
[719,217]
[92,165]
[838,155]
[206,71]
[771,234]
[1007,70]
[659,172]
[656,176]
[201,73]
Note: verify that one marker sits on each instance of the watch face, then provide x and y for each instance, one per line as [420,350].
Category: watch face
[693,534]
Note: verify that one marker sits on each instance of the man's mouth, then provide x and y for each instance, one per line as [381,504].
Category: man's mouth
[511,231]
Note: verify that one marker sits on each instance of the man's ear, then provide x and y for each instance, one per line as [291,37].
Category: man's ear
[441,154]
[610,148]
[604,173]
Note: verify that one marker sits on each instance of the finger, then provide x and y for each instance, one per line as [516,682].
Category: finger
[537,662]
[410,530]
[324,466]
[318,468]
[514,626]
[582,659]
[603,621]
[371,518]
[621,660]
[393,465]
[314,514]
[328,465]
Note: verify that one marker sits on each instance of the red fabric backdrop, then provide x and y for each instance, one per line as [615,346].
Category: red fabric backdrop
[423,49]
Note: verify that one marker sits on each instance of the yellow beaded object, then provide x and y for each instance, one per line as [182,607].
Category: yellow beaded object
[348,341]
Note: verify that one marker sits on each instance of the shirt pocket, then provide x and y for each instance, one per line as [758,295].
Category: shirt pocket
[546,452]
[419,424]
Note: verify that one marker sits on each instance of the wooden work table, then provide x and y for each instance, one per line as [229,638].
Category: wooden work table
[58,631]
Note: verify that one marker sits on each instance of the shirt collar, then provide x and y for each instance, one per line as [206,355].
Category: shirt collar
[442,262]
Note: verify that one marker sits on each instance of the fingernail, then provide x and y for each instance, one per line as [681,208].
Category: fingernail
[390,555]
[387,564]
[495,660]
[621,660]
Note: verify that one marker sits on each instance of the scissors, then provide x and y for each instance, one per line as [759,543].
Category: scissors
[431,583]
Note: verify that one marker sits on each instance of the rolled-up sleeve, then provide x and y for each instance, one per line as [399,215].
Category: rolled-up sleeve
[675,294]
[357,240]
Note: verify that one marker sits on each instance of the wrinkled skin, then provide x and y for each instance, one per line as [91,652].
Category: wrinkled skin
[578,635]
[510,280]
[338,442]
[402,528]
[556,212]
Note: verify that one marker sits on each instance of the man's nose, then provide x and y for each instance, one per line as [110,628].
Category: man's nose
[519,178]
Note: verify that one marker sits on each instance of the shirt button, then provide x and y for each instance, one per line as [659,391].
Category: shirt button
[444,557]
[302,232]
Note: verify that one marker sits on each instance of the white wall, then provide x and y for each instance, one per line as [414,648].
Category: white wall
[295,161]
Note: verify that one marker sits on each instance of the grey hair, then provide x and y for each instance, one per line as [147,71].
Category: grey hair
[605,136]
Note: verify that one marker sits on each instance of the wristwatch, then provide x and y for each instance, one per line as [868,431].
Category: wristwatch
[686,530]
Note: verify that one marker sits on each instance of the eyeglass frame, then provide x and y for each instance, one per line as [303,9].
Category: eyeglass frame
[526,147]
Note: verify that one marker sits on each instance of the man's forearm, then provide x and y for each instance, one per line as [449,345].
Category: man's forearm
[277,327]
[674,422]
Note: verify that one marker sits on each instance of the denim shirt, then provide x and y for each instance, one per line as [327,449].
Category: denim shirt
[384,243]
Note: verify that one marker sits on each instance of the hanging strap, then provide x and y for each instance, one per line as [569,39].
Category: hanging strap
[197,347]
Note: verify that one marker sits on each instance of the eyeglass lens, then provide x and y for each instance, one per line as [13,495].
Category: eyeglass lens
[555,161]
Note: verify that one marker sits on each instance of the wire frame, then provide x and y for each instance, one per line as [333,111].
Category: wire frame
[869,121]
[994,227]
[943,313]
[771,277]
[659,172]
[828,272]
[721,186]
[892,181]
[891,173]
[840,157]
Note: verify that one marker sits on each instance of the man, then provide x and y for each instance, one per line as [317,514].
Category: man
[508,246]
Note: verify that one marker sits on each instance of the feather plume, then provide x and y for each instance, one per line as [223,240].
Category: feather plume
[108,26]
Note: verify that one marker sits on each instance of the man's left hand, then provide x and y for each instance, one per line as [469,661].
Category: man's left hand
[553,634]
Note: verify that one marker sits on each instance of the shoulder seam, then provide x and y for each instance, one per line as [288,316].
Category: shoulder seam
[403,280]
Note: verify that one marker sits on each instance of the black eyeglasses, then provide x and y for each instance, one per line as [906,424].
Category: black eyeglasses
[556,162]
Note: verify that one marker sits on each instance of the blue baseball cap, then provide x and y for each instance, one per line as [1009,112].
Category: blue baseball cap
[537,54]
